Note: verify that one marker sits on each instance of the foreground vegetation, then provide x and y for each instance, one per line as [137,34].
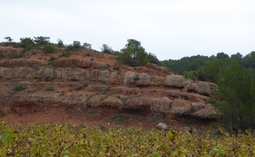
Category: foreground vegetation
[65,140]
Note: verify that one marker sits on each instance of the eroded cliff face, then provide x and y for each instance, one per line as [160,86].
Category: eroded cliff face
[95,81]
[81,83]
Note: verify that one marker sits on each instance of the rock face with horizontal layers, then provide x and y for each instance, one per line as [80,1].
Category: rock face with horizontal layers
[175,81]
[84,84]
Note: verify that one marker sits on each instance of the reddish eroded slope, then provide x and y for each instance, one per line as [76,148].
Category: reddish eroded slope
[92,88]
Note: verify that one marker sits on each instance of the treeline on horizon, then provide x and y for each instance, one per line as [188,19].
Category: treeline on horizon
[234,76]
[205,68]
[234,95]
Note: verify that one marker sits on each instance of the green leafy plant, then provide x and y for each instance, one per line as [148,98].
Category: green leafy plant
[27,43]
[8,138]
[19,87]
[49,48]
[50,88]
[107,66]
[65,54]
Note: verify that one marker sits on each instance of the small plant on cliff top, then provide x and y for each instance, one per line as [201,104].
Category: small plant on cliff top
[19,87]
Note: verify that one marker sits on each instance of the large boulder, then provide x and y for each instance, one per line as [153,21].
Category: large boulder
[104,76]
[47,74]
[175,81]
[143,79]
[142,103]
[129,78]
[192,86]
[204,88]
[160,105]
[204,111]
[112,101]
[181,107]
[157,80]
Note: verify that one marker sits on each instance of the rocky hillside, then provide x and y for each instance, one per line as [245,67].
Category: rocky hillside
[87,82]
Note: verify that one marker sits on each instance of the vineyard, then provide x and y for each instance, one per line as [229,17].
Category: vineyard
[67,141]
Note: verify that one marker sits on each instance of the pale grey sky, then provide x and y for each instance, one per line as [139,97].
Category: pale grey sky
[171,29]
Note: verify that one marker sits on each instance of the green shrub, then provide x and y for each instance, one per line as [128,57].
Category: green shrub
[27,43]
[19,87]
[107,49]
[78,88]
[50,88]
[116,68]
[66,54]
[41,40]
[49,48]
[107,66]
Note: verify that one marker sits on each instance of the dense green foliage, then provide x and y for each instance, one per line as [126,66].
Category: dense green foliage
[42,40]
[49,48]
[234,77]
[19,87]
[107,49]
[67,141]
[206,68]
[135,55]
[236,91]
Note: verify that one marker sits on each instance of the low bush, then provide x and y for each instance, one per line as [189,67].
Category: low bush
[65,54]
[50,88]
[49,48]
[19,87]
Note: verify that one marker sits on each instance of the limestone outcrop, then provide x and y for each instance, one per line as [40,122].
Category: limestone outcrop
[89,84]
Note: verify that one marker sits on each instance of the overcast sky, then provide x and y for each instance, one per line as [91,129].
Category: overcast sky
[171,29]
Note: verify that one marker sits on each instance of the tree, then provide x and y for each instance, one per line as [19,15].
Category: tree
[133,54]
[87,46]
[41,40]
[27,43]
[223,59]
[49,48]
[60,42]
[249,60]
[9,39]
[75,46]
[153,59]
[209,72]
[236,91]
[107,49]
